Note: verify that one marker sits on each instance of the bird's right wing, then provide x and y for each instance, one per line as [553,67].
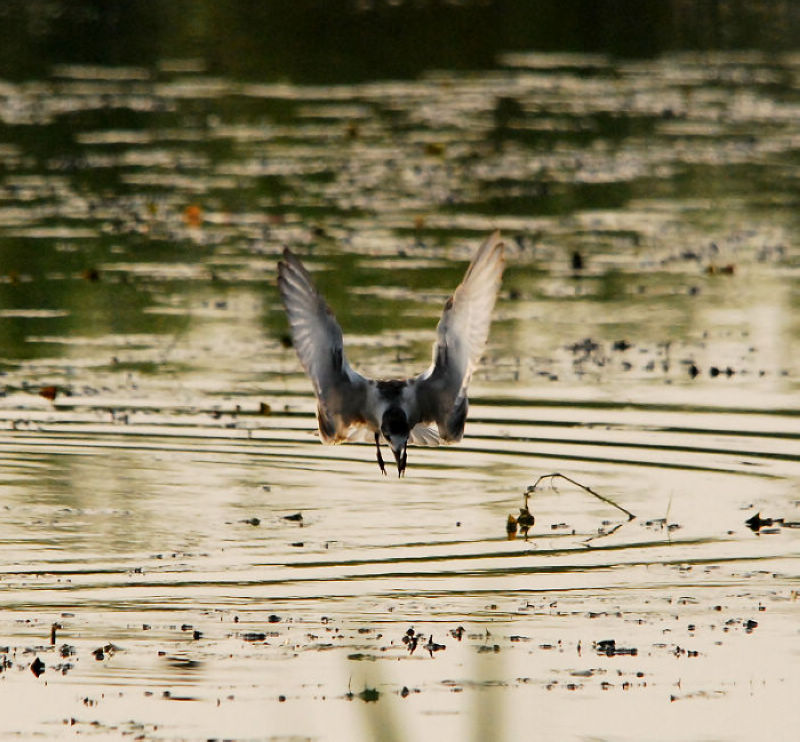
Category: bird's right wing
[460,339]
[317,336]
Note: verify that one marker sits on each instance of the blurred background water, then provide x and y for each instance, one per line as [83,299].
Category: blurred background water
[642,161]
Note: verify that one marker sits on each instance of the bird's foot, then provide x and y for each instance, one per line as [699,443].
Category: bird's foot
[401,465]
[380,458]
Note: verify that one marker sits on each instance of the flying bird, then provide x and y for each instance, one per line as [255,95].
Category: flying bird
[425,410]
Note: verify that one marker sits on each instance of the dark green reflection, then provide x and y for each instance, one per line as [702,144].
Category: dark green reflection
[343,40]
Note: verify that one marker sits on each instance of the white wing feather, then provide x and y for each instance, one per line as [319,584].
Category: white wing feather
[460,341]
[318,341]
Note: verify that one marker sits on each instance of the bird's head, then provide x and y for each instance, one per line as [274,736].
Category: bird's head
[395,429]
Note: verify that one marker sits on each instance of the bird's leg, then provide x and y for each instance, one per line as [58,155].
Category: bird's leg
[401,465]
[378,449]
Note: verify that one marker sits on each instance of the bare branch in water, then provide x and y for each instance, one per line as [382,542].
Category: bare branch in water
[606,500]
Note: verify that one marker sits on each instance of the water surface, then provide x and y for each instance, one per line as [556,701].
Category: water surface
[645,343]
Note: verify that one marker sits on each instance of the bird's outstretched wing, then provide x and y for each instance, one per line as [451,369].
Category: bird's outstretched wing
[460,340]
[341,392]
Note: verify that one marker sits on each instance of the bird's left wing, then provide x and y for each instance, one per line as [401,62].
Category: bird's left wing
[460,339]
[341,392]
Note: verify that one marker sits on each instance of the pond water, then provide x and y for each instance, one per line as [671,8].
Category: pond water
[209,570]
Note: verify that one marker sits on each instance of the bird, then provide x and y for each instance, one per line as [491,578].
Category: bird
[427,409]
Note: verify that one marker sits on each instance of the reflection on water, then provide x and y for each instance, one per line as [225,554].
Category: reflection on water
[158,436]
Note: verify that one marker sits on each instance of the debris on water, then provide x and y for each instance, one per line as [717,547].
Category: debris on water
[756,522]
[432,646]
[193,215]
[411,639]
[525,519]
[586,346]
[37,667]
[253,636]
[369,695]
[556,475]
[107,649]
[715,371]
[609,648]
[434,149]
[720,270]
[49,392]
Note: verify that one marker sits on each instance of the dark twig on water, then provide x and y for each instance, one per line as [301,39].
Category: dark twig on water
[603,533]
[606,500]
